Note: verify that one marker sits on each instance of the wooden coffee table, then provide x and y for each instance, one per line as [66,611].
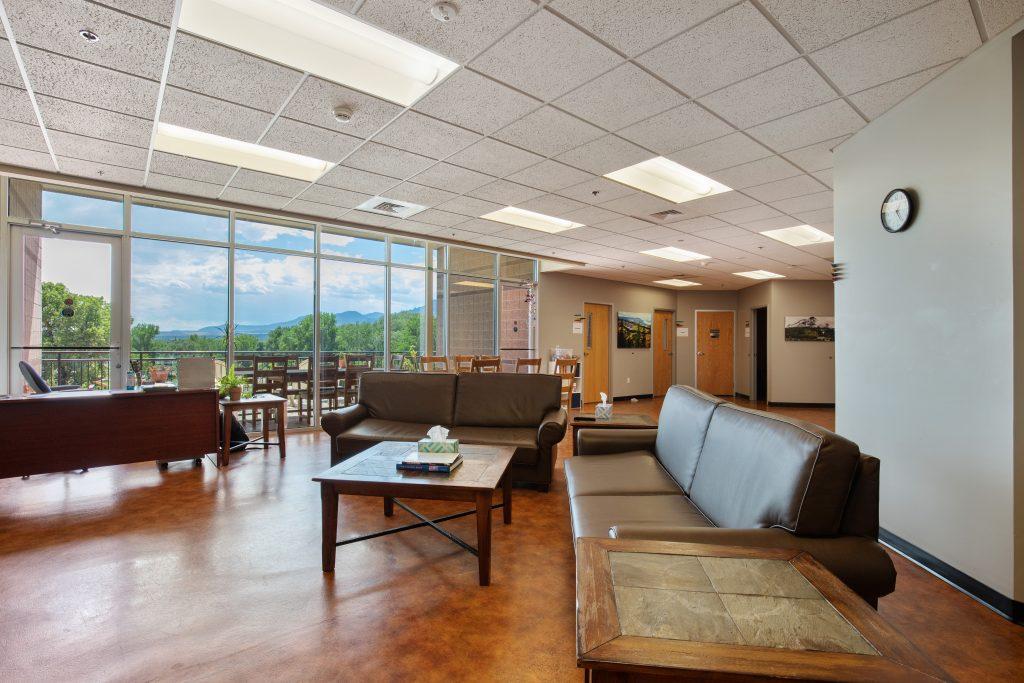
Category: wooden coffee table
[623,421]
[652,610]
[373,473]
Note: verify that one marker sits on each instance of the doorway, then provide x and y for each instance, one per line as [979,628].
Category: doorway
[66,308]
[714,360]
[759,354]
[596,332]
[662,341]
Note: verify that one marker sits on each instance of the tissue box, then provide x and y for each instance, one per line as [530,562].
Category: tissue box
[603,411]
[446,446]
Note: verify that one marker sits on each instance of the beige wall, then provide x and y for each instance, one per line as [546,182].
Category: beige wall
[757,296]
[925,346]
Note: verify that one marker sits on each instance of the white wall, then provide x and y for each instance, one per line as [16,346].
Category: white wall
[924,318]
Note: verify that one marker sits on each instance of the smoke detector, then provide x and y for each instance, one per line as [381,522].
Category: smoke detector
[444,11]
[342,113]
[88,35]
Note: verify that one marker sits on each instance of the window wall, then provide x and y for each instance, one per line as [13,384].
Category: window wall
[198,280]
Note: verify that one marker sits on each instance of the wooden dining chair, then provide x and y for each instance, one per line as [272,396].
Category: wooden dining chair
[528,363]
[433,364]
[330,377]
[358,359]
[566,369]
[485,364]
[352,376]
[463,363]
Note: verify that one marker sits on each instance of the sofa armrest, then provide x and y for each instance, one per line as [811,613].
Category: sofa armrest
[606,441]
[336,422]
[861,563]
[552,428]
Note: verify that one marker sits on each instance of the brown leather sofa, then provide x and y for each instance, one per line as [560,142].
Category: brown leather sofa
[713,472]
[502,409]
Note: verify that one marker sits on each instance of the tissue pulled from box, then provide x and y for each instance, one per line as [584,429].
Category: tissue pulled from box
[437,433]
[604,398]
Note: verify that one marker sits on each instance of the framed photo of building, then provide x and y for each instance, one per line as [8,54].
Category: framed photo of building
[820,328]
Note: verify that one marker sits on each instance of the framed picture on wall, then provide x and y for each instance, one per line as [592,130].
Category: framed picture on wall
[821,328]
[633,330]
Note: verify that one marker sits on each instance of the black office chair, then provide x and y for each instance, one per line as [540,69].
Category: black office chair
[37,383]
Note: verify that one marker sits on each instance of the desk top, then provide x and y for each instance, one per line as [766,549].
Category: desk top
[89,394]
[257,400]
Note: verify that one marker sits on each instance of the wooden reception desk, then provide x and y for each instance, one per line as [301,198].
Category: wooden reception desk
[75,429]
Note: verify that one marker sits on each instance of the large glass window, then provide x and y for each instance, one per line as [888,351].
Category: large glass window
[407,252]
[438,316]
[353,301]
[408,296]
[39,201]
[175,220]
[470,316]
[517,268]
[267,233]
[352,244]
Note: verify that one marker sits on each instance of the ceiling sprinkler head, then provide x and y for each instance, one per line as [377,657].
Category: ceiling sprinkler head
[342,114]
[444,11]
[88,35]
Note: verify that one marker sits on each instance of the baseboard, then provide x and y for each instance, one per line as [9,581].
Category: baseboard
[629,398]
[786,404]
[1002,605]
[741,395]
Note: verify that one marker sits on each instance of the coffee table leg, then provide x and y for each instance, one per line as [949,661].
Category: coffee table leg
[506,498]
[225,447]
[389,506]
[329,516]
[282,416]
[483,536]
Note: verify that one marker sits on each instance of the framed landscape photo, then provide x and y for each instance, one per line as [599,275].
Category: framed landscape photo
[820,328]
[633,330]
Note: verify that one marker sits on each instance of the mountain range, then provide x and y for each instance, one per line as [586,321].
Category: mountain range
[262,330]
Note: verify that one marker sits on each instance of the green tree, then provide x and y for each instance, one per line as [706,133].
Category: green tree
[144,336]
[89,326]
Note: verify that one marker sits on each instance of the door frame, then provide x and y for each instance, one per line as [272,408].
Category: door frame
[672,346]
[755,329]
[611,336]
[696,328]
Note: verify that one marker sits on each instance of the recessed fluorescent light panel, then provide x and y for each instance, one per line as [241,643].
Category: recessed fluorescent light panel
[677,283]
[799,235]
[199,145]
[310,37]
[759,274]
[512,215]
[676,254]
[666,179]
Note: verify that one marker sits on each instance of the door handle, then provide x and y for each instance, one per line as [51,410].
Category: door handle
[700,353]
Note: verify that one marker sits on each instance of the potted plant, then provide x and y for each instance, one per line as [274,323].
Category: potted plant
[230,385]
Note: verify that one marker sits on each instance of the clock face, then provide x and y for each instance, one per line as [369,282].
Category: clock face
[897,210]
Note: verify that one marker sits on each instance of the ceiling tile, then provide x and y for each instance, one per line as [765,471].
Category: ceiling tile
[748,214]
[268,183]
[197,188]
[585,233]
[314,209]
[545,57]
[817,23]
[605,155]
[692,225]
[639,204]
[192,110]
[301,138]
[552,205]
[315,100]
[756,172]
[452,178]
[494,158]
[834,119]
[476,25]
[824,176]
[160,11]
[185,167]
[23,135]
[720,153]
[9,74]
[597,190]
[622,96]
[784,189]
[99,151]
[387,161]
[998,15]
[633,26]
[817,216]
[333,196]
[505,192]
[658,233]
[817,156]
[476,102]
[932,35]
[770,224]
[16,106]
[807,202]
[624,225]
[718,234]
[227,74]
[775,93]
[726,201]
[549,175]
[371,219]
[441,218]
[97,171]
[425,135]
[591,215]
[469,206]
[727,48]
[82,119]
[70,79]
[248,197]
[126,43]
[874,102]
[347,178]
[548,131]
[483,226]
[676,129]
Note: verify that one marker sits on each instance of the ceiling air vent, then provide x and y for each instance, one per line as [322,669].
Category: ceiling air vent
[666,214]
[390,207]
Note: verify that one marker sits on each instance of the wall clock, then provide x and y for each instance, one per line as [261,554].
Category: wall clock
[897,210]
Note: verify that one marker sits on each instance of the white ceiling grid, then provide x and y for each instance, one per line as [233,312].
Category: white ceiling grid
[549,96]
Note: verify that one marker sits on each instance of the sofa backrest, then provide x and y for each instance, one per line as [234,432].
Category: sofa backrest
[502,399]
[760,470]
[861,515]
[408,396]
[682,426]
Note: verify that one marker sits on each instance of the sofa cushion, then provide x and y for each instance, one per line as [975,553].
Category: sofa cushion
[498,399]
[595,515]
[621,474]
[682,425]
[519,437]
[374,429]
[409,397]
[761,470]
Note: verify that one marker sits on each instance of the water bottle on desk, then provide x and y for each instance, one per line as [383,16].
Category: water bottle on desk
[131,381]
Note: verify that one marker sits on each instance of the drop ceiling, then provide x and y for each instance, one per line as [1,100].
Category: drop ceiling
[548,98]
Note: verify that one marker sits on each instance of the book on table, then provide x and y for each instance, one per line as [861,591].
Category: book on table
[445,465]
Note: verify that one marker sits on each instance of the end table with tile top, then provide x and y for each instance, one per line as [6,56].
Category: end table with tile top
[651,609]
[616,421]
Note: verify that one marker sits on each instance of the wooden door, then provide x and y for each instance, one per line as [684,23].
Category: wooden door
[596,331]
[663,343]
[715,352]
